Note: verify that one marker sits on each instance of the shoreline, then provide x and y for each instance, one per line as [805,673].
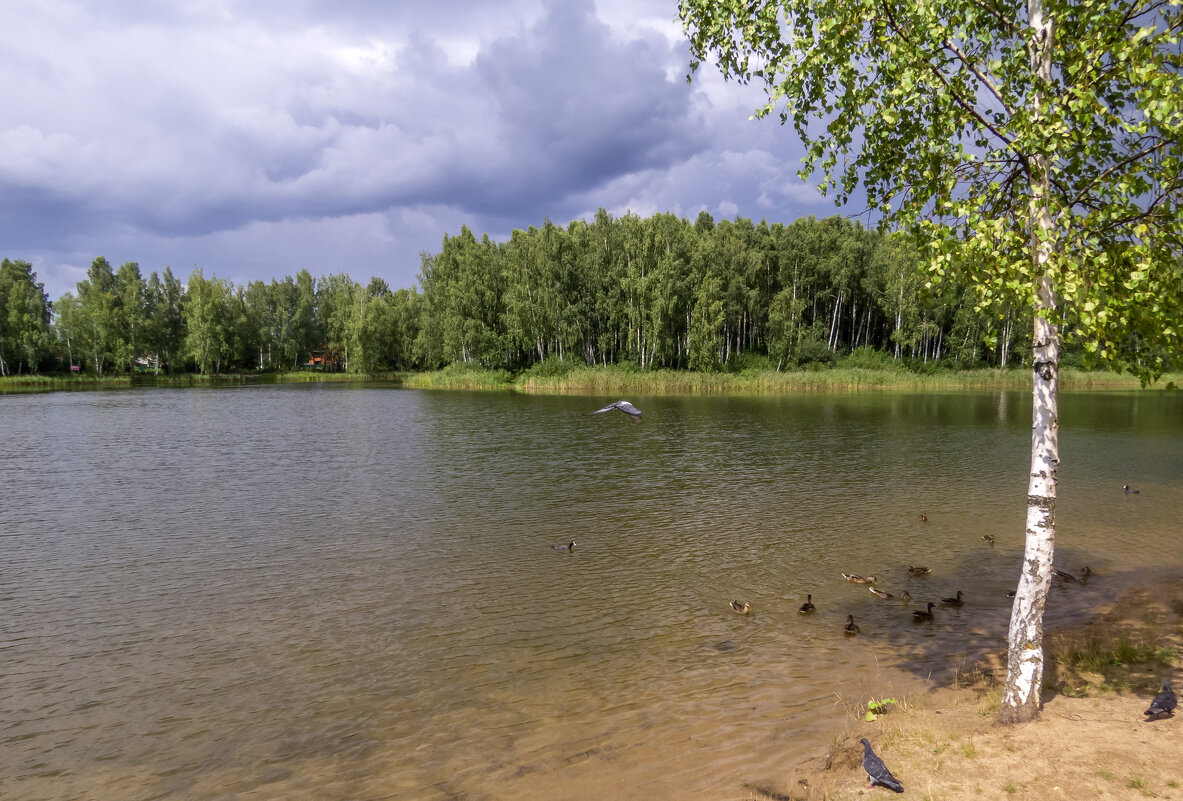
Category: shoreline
[599,380]
[1090,739]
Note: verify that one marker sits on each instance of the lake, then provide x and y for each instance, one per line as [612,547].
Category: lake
[350,592]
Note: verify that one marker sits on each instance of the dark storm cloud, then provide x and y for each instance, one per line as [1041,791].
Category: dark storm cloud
[575,109]
[200,131]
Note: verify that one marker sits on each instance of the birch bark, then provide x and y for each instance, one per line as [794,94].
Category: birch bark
[1024,679]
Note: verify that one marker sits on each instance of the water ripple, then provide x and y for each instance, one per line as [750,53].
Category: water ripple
[335,592]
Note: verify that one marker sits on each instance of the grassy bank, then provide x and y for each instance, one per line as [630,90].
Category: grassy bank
[567,378]
[1090,741]
[46,383]
[552,377]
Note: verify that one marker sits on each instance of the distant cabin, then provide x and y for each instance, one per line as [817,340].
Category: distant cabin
[324,359]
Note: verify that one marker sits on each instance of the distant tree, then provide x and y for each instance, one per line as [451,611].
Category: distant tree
[1036,150]
[24,318]
[706,325]
[209,322]
[97,326]
[130,315]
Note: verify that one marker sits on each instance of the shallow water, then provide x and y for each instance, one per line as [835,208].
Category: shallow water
[342,592]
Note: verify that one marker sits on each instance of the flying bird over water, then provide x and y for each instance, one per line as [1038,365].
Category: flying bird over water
[877,772]
[1164,703]
[624,406]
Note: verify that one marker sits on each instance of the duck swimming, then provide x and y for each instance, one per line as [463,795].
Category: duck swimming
[851,627]
[880,593]
[923,616]
[741,607]
[953,601]
[570,546]
[856,579]
[918,571]
[807,607]
[988,538]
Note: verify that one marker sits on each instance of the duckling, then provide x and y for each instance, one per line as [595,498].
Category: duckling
[741,607]
[807,607]
[918,571]
[989,538]
[953,601]
[851,627]
[924,616]
[880,593]
[570,546]
[923,518]
[855,579]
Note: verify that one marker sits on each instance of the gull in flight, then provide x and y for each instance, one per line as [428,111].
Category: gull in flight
[623,406]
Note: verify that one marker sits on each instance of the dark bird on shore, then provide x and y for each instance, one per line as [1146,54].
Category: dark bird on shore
[918,571]
[570,546]
[1164,703]
[807,607]
[624,406]
[851,627]
[924,615]
[923,518]
[741,607]
[877,772]
[953,601]
[1064,576]
[880,593]
[856,579]
[1129,491]
[988,538]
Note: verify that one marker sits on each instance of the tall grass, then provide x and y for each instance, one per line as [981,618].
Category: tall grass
[460,376]
[851,374]
[624,379]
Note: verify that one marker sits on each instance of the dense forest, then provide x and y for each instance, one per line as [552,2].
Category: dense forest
[655,292]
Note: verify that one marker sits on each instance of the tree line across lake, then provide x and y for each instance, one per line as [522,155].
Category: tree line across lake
[652,292]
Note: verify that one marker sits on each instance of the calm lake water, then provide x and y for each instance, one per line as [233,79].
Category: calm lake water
[344,592]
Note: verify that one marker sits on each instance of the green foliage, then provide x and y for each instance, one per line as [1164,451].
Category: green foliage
[552,367]
[24,319]
[876,708]
[1016,149]
[868,358]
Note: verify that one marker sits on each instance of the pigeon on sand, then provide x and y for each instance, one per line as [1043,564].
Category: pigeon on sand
[877,772]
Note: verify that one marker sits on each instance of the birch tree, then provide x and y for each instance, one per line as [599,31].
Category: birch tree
[1033,147]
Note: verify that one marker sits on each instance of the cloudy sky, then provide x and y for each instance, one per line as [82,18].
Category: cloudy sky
[253,138]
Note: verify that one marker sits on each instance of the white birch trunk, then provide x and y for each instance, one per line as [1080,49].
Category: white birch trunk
[1024,679]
